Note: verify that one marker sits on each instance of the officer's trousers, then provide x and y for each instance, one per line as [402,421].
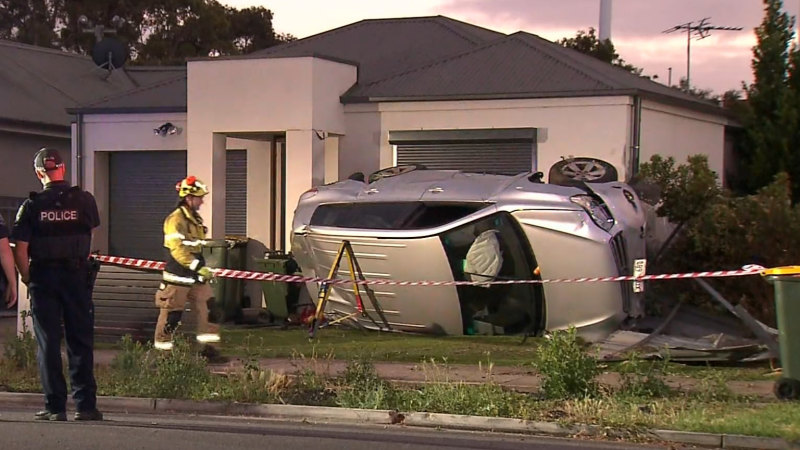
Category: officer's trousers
[61,292]
[172,300]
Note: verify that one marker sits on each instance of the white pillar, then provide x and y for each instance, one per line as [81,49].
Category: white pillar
[206,161]
[23,305]
[305,168]
[331,159]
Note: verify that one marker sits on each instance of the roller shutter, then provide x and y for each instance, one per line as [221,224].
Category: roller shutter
[141,195]
[507,152]
[236,193]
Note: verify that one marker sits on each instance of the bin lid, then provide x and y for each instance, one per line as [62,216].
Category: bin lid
[785,270]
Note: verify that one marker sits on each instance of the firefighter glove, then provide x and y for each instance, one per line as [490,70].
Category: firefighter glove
[205,273]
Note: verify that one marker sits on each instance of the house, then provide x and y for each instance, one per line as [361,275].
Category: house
[263,128]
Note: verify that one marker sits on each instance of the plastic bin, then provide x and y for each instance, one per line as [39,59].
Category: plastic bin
[281,298]
[786,281]
[229,253]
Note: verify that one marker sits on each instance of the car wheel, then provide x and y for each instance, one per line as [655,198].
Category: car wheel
[587,170]
[787,389]
[394,171]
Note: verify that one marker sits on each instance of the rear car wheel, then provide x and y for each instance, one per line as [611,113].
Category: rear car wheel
[587,170]
[787,389]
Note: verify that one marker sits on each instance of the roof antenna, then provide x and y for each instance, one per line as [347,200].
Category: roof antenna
[701,30]
[108,53]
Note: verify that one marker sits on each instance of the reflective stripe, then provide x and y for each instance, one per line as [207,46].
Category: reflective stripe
[194,264]
[162,345]
[174,236]
[177,279]
[208,337]
[196,243]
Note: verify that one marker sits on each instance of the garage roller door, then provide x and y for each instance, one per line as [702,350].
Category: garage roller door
[507,151]
[142,193]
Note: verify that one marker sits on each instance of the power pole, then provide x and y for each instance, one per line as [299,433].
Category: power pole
[701,30]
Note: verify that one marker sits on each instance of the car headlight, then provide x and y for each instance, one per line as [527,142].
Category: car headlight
[596,210]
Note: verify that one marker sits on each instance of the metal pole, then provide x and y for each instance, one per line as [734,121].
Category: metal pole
[688,54]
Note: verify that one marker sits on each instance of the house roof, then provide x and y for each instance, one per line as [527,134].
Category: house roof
[382,47]
[38,84]
[520,65]
[167,95]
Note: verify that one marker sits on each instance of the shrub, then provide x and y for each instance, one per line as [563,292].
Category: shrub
[566,370]
[725,233]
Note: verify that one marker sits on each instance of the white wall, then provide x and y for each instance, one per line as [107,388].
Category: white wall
[676,132]
[104,133]
[17,148]
[597,126]
[295,96]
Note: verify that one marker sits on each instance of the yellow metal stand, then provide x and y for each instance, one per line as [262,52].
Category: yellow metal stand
[356,275]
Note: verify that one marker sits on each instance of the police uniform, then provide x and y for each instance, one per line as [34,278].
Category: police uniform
[185,276]
[57,224]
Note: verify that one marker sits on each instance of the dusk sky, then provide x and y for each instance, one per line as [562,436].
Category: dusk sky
[719,62]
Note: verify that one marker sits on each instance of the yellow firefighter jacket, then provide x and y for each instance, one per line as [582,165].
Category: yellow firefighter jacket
[184,236]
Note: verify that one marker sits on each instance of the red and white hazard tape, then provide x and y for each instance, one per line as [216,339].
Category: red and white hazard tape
[270,276]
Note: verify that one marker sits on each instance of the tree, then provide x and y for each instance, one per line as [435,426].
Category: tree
[156,31]
[588,43]
[771,116]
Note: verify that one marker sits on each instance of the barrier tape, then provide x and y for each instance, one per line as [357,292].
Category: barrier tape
[270,276]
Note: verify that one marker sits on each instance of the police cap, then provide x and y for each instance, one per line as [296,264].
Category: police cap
[47,159]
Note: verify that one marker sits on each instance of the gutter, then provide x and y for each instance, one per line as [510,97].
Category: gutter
[636,137]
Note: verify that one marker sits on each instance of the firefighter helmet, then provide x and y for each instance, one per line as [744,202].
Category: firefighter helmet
[191,186]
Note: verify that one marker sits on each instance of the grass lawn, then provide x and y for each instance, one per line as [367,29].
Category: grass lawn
[349,344]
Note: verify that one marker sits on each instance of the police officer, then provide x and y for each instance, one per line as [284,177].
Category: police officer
[53,233]
[8,277]
[185,276]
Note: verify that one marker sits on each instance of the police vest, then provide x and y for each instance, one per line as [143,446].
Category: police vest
[61,228]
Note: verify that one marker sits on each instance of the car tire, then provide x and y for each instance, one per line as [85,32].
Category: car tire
[574,171]
[787,389]
[394,171]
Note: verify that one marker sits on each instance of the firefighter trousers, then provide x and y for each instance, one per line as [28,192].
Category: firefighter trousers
[172,300]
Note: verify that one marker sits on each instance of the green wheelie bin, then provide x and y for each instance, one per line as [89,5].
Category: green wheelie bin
[786,281]
[281,298]
[229,253]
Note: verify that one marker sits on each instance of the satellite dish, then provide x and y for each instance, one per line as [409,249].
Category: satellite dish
[110,54]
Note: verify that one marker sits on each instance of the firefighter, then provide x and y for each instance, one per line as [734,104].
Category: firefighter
[53,234]
[186,276]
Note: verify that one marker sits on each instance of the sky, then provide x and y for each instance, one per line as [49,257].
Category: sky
[719,62]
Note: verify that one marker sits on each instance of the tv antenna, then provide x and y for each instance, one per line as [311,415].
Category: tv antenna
[700,30]
[108,52]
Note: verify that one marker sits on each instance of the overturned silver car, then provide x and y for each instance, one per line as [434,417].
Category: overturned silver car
[409,223]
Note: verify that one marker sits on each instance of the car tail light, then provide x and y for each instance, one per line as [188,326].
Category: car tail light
[596,210]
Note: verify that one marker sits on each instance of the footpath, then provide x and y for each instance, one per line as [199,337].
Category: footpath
[515,378]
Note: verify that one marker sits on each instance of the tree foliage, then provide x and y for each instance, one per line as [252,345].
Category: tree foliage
[156,31]
[588,43]
[771,121]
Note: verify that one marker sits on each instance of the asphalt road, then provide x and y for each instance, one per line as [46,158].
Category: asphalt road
[18,430]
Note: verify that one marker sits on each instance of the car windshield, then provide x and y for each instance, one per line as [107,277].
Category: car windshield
[391,215]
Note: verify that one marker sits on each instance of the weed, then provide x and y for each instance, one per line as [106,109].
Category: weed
[361,387]
[20,351]
[641,378]
[566,370]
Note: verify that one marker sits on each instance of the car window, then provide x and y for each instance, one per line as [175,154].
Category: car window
[391,215]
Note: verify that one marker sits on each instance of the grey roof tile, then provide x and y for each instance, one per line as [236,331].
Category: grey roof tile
[38,84]
[382,47]
[163,96]
[521,65]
